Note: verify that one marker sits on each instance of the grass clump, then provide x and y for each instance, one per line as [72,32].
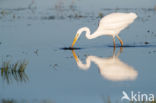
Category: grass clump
[16,71]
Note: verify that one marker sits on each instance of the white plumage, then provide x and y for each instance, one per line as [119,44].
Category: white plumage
[111,68]
[110,24]
[115,22]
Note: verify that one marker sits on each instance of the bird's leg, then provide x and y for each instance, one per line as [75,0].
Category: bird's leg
[114,41]
[114,51]
[121,49]
[120,40]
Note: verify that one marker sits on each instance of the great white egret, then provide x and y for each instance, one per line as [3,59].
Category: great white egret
[110,25]
[111,68]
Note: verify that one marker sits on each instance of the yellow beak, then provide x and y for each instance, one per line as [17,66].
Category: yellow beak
[75,39]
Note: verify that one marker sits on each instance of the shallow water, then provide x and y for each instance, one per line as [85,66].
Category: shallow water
[52,73]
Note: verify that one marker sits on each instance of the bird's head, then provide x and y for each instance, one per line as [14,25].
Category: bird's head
[79,32]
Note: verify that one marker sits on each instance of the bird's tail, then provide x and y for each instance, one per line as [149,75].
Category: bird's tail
[134,15]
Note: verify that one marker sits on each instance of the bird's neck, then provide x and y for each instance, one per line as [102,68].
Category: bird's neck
[89,35]
[87,31]
[79,62]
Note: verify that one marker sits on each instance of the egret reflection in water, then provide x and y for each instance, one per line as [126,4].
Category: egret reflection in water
[111,68]
[14,72]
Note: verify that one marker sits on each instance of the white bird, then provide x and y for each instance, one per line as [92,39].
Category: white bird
[110,68]
[110,25]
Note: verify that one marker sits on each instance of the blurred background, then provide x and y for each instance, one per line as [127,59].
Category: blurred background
[80,3]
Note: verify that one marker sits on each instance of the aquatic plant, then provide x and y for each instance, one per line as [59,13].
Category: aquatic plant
[155,8]
[100,15]
[15,71]
[108,100]
[24,101]
[7,101]
[3,12]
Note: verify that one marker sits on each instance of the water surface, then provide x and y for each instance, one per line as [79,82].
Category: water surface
[52,74]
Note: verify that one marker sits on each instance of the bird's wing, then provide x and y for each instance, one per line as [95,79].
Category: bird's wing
[118,17]
[116,20]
